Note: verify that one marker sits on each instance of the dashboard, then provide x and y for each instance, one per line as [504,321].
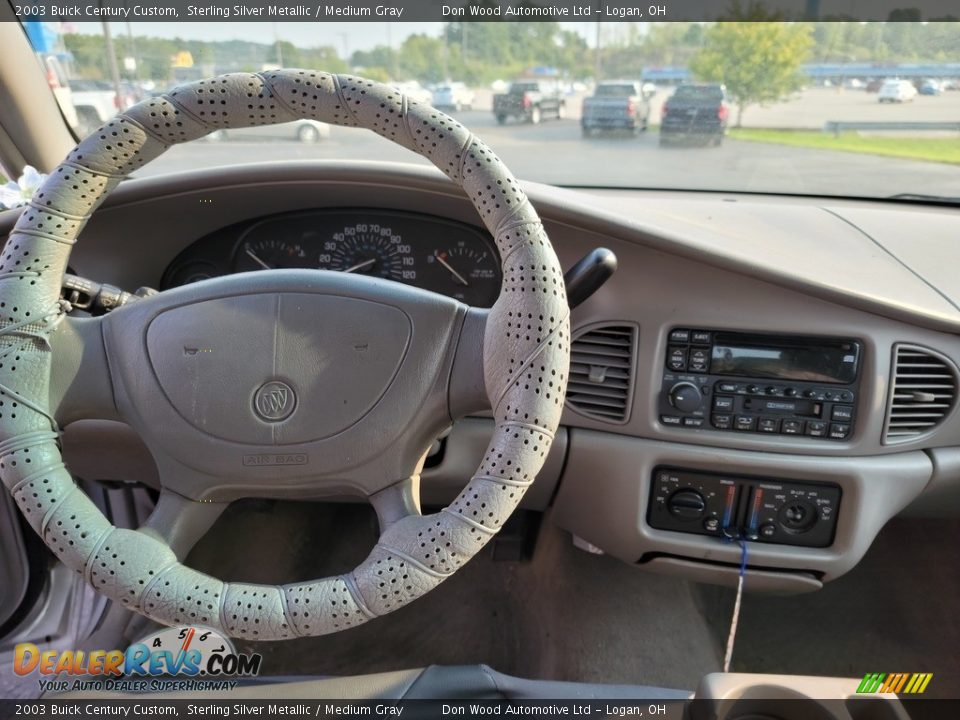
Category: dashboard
[690,398]
[442,256]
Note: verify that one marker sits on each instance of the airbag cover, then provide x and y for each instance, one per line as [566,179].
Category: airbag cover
[277,368]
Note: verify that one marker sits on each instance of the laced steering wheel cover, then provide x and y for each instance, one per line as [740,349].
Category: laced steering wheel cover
[526,358]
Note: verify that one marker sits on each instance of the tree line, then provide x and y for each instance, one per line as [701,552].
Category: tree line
[479,53]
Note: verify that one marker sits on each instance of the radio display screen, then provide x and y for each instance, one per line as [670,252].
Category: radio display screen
[812,361]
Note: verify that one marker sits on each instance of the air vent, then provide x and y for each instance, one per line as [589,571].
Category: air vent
[601,372]
[923,391]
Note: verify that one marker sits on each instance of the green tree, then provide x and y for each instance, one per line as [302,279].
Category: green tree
[758,62]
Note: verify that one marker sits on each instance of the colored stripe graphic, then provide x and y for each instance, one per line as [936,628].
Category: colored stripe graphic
[900,683]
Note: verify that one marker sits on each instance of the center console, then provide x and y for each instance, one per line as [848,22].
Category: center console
[760,383]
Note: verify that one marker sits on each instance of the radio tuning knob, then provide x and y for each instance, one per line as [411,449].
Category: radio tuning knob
[685,397]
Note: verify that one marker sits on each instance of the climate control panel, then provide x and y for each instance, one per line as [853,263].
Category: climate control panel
[785,512]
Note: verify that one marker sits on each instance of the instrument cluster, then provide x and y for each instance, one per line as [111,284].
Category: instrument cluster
[443,256]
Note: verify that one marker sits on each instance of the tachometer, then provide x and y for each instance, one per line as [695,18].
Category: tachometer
[369,249]
[269,254]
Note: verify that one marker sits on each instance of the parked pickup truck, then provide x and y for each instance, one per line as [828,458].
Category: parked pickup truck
[530,100]
[695,112]
[617,105]
[96,102]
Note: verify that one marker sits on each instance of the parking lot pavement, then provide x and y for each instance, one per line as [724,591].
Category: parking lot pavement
[554,152]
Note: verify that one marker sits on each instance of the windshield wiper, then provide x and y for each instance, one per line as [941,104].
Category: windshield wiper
[919,197]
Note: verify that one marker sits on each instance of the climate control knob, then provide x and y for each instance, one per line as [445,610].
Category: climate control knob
[686,504]
[686,397]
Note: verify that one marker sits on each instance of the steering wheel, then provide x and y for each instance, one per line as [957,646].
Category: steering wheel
[283,383]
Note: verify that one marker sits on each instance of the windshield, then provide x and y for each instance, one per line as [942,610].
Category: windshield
[817,108]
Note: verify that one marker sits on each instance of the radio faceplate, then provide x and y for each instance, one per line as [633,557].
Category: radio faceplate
[767,384]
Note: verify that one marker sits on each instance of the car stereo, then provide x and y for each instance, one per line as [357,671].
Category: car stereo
[758,383]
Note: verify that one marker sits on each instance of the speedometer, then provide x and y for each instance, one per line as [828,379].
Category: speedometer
[369,249]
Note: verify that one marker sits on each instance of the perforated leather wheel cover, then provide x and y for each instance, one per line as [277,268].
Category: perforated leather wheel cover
[526,357]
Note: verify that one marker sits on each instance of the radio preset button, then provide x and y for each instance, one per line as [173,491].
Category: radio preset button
[722,422]
[745,422]
[670,419]
[839,431]
[679,336]
[792,427]
[768,425]
[753,389]
[790,392]
[700,337]
[768,530]
[816,428]
[842,412]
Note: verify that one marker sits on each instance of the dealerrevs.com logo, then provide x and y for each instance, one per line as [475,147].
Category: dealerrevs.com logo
[180,658]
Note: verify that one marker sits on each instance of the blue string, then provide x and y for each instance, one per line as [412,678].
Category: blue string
[743,558]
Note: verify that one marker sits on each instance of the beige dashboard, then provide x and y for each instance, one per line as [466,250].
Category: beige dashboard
[880,273]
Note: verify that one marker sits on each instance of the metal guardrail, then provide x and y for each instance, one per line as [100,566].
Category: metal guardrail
[838,126]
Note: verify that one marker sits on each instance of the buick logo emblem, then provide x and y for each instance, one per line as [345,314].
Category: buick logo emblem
[274,401]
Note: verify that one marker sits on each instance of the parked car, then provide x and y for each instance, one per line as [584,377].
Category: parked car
[306,131]
[874,85]
[454,96]
[697,112]
[415,91]
[616,105]
[96,101]
[531,101]
[897,91]
[930,87]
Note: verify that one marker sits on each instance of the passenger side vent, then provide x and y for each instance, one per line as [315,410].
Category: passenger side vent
[602,371]
[923,390]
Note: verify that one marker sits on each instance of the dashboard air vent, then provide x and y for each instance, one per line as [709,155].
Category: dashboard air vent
[601,372]
[923,390]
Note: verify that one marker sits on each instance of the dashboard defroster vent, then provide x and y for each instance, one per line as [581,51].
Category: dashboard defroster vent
[923,391]
[602,371]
